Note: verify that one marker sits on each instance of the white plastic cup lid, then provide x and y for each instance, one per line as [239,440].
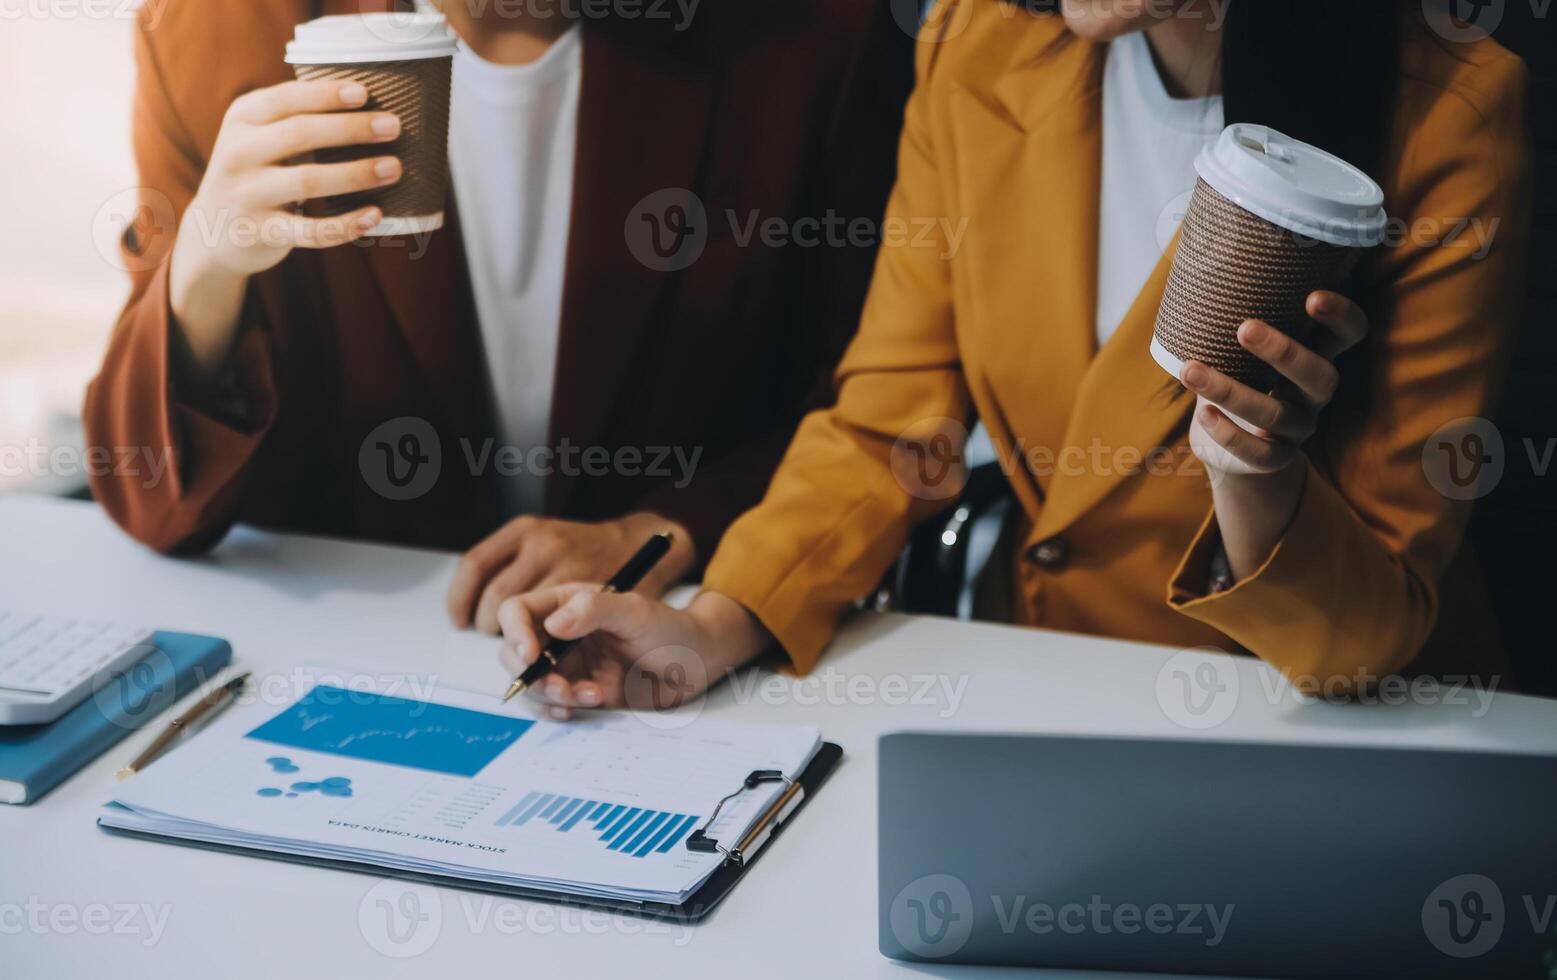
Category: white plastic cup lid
[1294,185]
[356,38]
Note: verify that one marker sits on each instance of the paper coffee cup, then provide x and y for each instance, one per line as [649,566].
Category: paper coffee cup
[1271,220]
[406,62]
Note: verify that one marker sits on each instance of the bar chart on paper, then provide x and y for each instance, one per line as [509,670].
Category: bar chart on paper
[627,830]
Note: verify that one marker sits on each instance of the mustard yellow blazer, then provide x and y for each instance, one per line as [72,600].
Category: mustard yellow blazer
[1002,146]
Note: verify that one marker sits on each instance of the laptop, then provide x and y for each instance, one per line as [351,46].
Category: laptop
[1216,857]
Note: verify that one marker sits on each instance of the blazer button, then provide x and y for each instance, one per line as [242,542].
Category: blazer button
[1049,554]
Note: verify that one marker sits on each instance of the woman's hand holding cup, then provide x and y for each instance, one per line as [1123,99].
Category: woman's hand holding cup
[243,219]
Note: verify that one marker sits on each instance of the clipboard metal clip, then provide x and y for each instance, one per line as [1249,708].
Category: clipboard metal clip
[760,831]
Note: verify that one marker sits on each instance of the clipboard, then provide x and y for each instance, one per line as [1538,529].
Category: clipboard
[740,856]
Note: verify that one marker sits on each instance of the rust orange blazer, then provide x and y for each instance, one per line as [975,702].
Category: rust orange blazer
[782,112]
[1004,131]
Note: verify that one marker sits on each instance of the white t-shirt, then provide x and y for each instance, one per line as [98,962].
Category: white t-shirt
[513,133]
[1150,140]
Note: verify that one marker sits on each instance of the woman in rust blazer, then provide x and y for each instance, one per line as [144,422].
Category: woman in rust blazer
[707,362]
[1339,545]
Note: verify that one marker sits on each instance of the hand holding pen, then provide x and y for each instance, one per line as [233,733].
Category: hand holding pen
[624,581]
[622,649]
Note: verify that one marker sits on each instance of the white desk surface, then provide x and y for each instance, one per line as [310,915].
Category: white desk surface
[807,910]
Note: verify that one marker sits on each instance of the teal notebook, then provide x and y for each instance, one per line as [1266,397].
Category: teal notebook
[36,758]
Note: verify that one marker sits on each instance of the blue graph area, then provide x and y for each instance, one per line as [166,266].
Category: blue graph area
[414,734]
[617,826]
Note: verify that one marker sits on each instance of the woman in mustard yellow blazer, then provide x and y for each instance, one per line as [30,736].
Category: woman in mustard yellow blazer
[1321,543]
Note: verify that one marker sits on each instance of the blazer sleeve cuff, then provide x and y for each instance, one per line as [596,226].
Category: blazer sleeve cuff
[800,634]
[202,445]
[1286,611]
[801,619]
[1293,559]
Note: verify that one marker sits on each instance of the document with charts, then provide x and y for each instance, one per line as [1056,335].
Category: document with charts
[458,784]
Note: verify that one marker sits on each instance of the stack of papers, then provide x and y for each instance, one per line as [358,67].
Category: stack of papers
[457,784]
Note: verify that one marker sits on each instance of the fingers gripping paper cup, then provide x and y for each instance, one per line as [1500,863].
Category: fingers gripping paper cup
[406,62]
[1272,219]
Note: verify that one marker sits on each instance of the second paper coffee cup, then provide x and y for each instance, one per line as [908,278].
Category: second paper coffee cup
[406,62]
[1271,220]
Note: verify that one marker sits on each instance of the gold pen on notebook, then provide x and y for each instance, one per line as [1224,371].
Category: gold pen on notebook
[625,580]
[214,701]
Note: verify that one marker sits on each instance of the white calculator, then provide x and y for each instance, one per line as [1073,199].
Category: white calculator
[47,663]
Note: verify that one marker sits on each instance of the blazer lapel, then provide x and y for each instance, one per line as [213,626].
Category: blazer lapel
[1040,170]
[425,282]
[1032,171]
[642,115]
[1125,401]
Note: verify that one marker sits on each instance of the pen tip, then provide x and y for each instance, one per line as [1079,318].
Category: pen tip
[514,689]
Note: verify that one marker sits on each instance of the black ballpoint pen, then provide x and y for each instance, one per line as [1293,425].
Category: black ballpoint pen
[625,580]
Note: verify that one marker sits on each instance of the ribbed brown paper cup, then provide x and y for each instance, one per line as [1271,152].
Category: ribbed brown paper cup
[1271,220]
[406,63]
